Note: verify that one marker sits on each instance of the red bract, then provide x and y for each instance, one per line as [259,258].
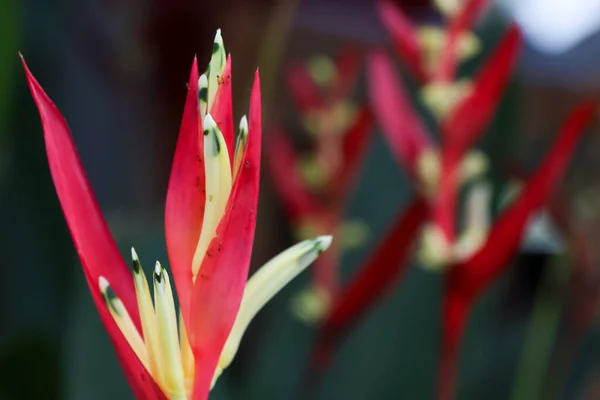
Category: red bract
[304,92]
[468,120]
[468,279]
[405,134]
[372,281]
[404,37]
[210,218]
[96,248]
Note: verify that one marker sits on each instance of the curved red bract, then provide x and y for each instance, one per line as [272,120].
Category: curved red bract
[95,246]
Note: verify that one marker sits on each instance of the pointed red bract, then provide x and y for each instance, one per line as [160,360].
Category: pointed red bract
[468,121]
[378,274]
[504,239]
[354,147]
[283,167]
[220,284]
[400,123]
[184,211]
[470,118]
[404,37]
[222,108]
[305,94]
[95,246]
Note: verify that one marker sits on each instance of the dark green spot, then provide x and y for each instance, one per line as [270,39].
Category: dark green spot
[217,144]
[136,266]
[206,132]
[203,94]
[158,276]
[216,48]
[109,297]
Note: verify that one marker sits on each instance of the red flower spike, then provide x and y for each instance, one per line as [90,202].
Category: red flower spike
[225,268]
[355,143]
[163,355]
[95,246]
[469,119]
[400,123]
[305,94]
[348,64]
[282,162]
[222,109]
[467,280]
[379,273]
[404,37]
[184,211]
[504,239]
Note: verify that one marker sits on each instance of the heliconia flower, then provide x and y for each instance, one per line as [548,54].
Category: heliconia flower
[469,278]
[314,188]
[439,170]
[415,149]
[209,224]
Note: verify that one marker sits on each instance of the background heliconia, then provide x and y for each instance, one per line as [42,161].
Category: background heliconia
[481,283]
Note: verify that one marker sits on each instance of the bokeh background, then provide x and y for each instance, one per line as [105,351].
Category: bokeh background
[118,70]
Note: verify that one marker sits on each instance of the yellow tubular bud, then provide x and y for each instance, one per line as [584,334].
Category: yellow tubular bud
[203,95]
[312,172]
[473,165]
[168,337]
[477,222]
[469,46]
[187,356]
[123,321]
[311,304]
[218,186]
[442,97]
[428,170]
[434,250]
[322,70]
[266,283]
[240,145]
[431,40]
[353,234]
[148,318]
[215,69]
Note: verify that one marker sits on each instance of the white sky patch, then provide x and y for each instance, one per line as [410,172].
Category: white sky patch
[555,26]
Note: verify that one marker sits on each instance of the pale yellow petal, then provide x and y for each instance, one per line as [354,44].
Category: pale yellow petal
[218,186]
[168,336]
[123,321]
[148,318]
[265,284]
